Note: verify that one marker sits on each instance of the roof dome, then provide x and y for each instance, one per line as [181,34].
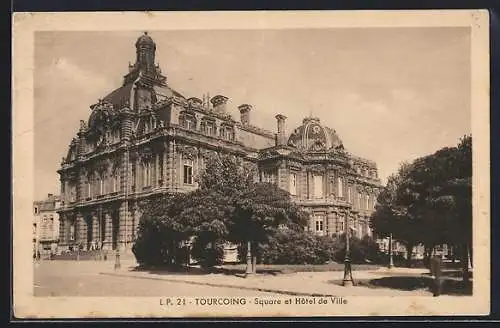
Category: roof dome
[312,136]
[145,40]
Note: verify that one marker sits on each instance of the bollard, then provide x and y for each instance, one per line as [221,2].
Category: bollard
[436,273]
[117,260]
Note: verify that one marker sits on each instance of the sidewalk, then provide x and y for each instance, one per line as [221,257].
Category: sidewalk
[299,284]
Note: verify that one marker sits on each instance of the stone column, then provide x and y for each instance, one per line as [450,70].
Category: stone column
[62,227]
[125,227]
[157,176]
[330,218]
[95,228]
[309,185]
[81,230]
[108,232]
[167,165]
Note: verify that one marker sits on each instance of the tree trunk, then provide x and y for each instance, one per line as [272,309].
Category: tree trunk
[409,252]
[427,256]
[254,257]
[465,263]
[453,254]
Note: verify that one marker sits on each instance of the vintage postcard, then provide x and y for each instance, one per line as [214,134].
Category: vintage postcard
[251,164]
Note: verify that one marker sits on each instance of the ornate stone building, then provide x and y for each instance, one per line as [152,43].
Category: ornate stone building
[146,138]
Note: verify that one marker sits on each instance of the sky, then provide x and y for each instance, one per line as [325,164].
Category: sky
[392,94]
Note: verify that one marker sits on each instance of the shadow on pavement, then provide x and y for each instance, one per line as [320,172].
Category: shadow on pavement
[406,283]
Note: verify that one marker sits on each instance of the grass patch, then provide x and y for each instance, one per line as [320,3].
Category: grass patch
[407,283]
[294,268]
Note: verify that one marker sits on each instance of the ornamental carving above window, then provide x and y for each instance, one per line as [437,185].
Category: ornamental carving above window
[188,152]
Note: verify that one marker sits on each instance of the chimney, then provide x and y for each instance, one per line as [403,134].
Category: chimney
[219,103]
[281,129]
[245,114]
[50,195]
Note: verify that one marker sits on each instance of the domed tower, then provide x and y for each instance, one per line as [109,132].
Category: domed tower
[145,51]
[312,136]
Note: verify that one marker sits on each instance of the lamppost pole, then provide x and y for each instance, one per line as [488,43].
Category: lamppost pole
[347,281]
[391,261]
[249,259]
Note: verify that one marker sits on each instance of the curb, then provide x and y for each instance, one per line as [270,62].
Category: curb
[276,291]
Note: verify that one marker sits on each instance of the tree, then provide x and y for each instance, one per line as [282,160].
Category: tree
[160,231]
[259,211]
[250,212]
[391,215]
[430,201]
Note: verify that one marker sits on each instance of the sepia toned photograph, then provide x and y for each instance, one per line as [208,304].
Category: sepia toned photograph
[250,164]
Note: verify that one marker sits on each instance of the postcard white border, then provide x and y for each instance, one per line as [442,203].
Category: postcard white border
[24,26]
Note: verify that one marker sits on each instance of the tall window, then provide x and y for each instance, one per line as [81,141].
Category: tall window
[146,176]
[367,202]
[349,194]
[340,187]
[293,183]
[72,231]
[116,135]
[100,185]
[188,172]
[89,187]
[115,182]
[72,194]
[210,129]
[360,200]
[318,186]
[36,210]
[318,223]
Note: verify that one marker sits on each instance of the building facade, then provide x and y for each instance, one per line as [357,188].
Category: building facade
[146,138]
[46,226]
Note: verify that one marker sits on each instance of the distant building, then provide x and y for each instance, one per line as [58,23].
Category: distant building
[145,138]
[46,225]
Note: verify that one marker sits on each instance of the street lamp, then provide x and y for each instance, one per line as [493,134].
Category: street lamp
[391,261]
[249,259]
[347,281]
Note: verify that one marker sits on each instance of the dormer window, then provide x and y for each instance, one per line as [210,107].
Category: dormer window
[208,127]
[187,121]
[227,132]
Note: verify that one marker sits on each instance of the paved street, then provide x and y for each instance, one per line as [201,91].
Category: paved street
[61,278]
[98,278]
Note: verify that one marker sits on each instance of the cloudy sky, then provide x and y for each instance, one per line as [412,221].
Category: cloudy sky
[392,94]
